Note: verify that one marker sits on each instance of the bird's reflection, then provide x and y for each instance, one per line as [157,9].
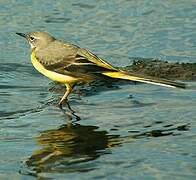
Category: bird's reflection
[72,146]
[68,145]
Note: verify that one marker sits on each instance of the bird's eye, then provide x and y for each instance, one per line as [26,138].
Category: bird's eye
[31,38]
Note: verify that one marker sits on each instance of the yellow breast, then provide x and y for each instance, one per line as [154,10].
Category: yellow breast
[50,74]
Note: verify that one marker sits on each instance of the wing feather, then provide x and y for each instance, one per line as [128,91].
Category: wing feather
[94,59]
[80,62]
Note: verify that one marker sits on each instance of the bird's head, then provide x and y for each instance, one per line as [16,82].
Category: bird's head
[37,40]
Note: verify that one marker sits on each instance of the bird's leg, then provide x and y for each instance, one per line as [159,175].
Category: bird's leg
[64,98]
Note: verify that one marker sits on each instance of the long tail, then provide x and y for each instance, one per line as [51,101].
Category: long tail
[146,79]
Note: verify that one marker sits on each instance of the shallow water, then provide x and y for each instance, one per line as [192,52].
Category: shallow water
[124,131]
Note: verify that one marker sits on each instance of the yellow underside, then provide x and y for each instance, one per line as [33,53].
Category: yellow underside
[50,74]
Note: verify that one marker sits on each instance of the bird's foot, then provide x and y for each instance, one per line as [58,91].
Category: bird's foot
[65,101]
[60,104]
[70,112]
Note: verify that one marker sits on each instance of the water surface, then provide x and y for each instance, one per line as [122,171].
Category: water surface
[124,131]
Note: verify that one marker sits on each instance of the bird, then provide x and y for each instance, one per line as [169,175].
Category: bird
[70,64]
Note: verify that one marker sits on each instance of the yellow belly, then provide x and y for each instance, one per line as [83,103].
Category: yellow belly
[50,74]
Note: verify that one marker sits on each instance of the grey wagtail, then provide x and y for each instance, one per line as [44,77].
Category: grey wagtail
[69,64]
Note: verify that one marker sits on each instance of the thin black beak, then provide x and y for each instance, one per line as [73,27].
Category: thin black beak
[22,34]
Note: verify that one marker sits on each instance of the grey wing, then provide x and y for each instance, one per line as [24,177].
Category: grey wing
[76,61]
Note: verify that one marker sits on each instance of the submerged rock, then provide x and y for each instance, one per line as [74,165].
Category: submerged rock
[163,69]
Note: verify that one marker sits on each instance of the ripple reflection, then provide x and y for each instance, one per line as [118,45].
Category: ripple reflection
[70,144]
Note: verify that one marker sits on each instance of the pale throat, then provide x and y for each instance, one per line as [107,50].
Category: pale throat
[32,46]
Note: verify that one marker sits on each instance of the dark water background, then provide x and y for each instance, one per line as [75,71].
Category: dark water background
[125,132]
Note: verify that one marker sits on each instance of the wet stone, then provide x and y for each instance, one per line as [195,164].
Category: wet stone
[163,69]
